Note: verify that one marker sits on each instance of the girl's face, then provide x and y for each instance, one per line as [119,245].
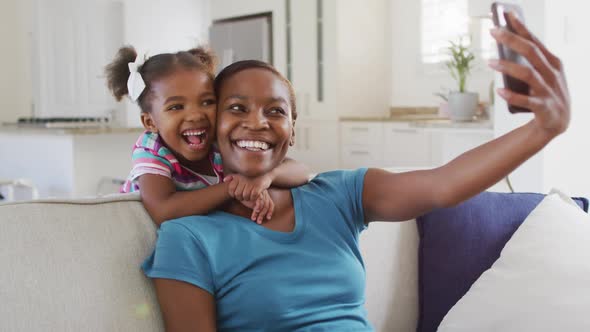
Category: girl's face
[255,126]
[183,113]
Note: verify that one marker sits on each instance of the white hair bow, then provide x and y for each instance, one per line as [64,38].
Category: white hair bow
[135,83]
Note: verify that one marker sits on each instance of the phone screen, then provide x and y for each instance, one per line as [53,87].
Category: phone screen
[500,12]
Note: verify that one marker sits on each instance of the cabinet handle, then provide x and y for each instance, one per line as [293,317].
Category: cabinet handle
[307,138]
[359,153]
[364,129]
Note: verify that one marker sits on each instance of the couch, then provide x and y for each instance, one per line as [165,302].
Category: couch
[73,265]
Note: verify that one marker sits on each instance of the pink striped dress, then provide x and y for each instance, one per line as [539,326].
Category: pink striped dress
[151,156]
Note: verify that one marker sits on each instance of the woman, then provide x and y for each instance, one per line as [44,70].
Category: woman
[302,270]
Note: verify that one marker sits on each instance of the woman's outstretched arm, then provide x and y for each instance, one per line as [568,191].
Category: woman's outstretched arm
[398,197]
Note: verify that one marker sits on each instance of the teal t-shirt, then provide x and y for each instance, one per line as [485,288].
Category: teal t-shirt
[311,279]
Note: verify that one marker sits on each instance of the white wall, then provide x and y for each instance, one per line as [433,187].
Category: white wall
[412,83]
[564,163]
[157,26]
[567,159]
[15,81]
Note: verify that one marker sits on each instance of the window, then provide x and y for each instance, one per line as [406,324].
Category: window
[444,20]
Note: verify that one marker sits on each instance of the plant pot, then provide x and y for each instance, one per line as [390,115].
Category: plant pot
[462,105]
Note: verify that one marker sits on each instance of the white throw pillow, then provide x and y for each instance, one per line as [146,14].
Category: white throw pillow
[541,282]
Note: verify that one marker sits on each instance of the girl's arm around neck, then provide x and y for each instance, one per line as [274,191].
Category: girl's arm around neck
[290,173]
[163,202]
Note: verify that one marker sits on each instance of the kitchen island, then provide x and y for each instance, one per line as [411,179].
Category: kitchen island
[67,162]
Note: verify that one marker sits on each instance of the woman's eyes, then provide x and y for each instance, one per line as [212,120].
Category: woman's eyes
[237,108]
[277,110]
[208,102]
[175,107]
[270,111]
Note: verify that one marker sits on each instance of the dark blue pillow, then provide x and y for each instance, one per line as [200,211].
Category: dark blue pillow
[458,244]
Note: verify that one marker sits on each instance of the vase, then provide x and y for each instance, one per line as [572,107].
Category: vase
[463,105]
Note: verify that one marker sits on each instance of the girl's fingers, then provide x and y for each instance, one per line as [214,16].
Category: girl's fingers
[232,188]
[528,50]
[264,210]
[255,211]
[247,192]
[240,191]
[522,30]
[271,208]
[255,193]
[535,104]
[524,73]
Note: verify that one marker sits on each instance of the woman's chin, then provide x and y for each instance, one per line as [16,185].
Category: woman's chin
[251,171]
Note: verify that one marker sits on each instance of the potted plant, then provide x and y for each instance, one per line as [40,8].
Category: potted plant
[462,104]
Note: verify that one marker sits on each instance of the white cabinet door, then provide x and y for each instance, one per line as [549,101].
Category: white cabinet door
[449,144]
[316,145]
[406,147]
[72,43]
[303,50]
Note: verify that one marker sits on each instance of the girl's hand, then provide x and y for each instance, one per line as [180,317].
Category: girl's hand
[247,189]
[264,208]
[549,97]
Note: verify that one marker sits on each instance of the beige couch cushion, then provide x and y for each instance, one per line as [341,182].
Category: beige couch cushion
[74,266]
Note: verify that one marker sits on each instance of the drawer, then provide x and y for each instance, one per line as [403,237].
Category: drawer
[359,133]
[355,156]
[407,147]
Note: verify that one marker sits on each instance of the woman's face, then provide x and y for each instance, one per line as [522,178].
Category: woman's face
[254,122]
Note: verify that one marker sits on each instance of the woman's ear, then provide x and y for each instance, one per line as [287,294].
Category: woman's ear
[148,122]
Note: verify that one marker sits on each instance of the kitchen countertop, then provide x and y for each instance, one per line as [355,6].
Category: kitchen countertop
[424,122]
[15,129]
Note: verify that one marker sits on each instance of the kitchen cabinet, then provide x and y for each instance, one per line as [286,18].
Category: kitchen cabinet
[72,41]
[337,67]
[361,144]
[316,145]
[449,144]
[404,145]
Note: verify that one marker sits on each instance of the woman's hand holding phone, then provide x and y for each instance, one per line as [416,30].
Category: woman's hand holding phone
[548,96]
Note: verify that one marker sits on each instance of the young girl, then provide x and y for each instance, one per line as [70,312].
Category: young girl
[176,167]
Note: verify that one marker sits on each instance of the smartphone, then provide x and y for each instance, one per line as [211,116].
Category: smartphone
[500,15]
